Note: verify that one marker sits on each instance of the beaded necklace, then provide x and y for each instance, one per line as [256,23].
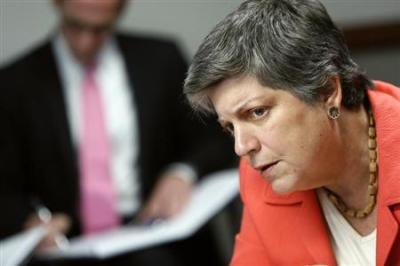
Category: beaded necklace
[373,180]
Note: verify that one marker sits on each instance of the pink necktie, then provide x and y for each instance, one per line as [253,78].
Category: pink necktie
[98,200]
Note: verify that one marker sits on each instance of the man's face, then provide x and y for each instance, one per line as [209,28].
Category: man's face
[86,25]
[289,142]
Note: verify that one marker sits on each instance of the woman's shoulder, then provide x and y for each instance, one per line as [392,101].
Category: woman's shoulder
[383,91]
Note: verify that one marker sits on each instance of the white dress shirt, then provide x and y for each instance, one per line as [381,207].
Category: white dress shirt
[120,115]
[350,248]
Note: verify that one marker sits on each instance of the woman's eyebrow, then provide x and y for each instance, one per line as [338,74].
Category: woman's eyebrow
[239,108]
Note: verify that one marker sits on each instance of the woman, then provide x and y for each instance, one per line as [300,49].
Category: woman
[311,130]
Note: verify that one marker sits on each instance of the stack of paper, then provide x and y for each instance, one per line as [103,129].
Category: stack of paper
[16,249]
[210,196]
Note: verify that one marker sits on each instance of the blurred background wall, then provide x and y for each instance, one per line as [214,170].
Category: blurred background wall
[371,26]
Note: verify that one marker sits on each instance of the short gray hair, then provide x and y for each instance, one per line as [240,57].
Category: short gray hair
[291,45]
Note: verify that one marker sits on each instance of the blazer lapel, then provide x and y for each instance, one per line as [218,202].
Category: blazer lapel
[312,227]
[388,229]
[48,113]
[53,95]
[308,221]
[389,201]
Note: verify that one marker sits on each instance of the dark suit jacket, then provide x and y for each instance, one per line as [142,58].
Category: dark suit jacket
[38,156]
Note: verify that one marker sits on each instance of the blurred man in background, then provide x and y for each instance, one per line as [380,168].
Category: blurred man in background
[96,130]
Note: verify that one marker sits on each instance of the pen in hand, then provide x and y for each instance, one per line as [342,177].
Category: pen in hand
[147,222]
[43,213]
[56,224]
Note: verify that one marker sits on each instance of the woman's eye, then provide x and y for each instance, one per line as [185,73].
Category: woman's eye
[258,112]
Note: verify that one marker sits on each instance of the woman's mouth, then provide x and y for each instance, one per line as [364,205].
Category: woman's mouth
[266,169]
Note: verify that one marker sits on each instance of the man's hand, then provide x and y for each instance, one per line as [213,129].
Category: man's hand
[168,199]
[57,226]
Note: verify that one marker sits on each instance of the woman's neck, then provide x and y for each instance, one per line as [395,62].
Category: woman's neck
[352,183]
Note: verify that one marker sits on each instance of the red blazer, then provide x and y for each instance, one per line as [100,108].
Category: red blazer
[291,230]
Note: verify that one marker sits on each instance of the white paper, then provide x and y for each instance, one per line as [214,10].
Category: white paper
[209,197]
[15,249]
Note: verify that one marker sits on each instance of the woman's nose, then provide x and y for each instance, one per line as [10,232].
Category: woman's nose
[245,142]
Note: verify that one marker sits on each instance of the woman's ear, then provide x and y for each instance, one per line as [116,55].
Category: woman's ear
[335,95]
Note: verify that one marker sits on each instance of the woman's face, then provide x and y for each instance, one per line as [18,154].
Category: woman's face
[292,144]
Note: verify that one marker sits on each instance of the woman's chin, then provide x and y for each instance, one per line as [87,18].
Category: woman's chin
[282,187]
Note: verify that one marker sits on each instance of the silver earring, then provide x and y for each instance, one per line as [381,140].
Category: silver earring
[333,112]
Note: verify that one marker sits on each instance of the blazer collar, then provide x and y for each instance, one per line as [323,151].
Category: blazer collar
[385,106]
[386,110]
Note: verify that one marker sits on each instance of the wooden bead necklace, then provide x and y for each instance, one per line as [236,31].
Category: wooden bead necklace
[373,180]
